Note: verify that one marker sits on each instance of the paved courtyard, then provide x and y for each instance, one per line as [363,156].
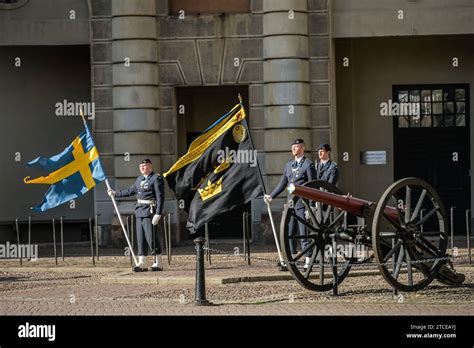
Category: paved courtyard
[75,287]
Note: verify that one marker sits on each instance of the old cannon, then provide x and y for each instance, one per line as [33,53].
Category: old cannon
[405,232]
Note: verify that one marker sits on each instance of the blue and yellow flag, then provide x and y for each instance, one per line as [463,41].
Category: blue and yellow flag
[72,172]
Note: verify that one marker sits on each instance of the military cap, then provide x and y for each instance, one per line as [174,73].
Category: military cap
[298,141]
[146,160]
[325,147]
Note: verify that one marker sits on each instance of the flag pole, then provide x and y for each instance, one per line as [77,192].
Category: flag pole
[280,255]
[121,223]
[115,204]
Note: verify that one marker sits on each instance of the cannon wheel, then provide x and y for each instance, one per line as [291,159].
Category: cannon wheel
[318,239]
[406,236]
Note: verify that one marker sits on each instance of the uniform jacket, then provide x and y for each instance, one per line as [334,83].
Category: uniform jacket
[149,188]
[327,172]
[295,173]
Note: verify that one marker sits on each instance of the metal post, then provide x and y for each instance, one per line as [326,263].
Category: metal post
[54,243]
[334,267]
[132,229]
[29,234]
[128,233]
[452,227]
[247,230]
[394,262]
[92,241]
[165,232]
[244,232]
[421,218]
[96,223]
[200,298]
[208,252]
[62,236]
[169,239]
[468,233]
[18,241]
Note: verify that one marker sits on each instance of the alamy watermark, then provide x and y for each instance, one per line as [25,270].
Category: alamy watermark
[358,251]
[28,330]
[67,108]
[237,156]
[13,251]
[391,108]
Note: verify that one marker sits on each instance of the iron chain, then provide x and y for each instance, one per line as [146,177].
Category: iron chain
[368,264]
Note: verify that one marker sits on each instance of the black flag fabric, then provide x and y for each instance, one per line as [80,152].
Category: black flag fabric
[218,173]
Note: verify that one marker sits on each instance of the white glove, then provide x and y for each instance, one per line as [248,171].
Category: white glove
[267,198]
[156,219]
[111,193]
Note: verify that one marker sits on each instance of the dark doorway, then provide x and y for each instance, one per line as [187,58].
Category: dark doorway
[200,107]
[435,146]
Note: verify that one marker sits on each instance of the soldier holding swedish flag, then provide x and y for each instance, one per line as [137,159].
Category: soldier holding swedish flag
[149,188]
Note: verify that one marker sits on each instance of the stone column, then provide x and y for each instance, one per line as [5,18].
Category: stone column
[286,82]
[101,90]
[135,89]
[322,75]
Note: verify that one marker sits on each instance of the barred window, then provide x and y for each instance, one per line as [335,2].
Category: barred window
[443,106]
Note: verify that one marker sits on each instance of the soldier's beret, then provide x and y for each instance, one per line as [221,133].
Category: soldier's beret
[146,160]
[298,141]
[325,147]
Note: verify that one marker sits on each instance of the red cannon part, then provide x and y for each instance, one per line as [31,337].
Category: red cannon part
[352,205]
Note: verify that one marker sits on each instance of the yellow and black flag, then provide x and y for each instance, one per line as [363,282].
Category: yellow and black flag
[219,172]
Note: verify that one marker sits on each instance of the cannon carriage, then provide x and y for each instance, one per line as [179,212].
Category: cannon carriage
[405,234]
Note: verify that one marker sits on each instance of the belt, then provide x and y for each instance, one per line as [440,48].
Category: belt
[146,201]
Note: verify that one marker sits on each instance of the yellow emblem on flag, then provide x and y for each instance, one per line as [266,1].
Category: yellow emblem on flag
[239,133]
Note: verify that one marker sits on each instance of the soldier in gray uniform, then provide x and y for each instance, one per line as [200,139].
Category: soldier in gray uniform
[297,171]
[326,170]
[150,191]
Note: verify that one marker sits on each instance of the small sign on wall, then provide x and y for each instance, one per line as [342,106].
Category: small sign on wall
[372,158]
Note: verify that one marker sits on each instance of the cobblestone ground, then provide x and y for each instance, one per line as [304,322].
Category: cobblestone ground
[64,290]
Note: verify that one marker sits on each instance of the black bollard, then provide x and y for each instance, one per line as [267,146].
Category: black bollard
[200,298]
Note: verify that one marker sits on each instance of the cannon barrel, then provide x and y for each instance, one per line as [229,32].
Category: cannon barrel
[352,205]
[395,247]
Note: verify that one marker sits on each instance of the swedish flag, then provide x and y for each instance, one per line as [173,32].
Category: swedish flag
[72,172]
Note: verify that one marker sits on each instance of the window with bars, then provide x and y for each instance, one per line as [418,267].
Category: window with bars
[439,107]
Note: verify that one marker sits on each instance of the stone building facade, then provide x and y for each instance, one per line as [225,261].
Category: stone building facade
[144,63]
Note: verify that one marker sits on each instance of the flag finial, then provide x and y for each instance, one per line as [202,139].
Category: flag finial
[83,118]
[240,98]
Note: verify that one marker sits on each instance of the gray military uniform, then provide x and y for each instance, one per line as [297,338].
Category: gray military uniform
[327,172]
